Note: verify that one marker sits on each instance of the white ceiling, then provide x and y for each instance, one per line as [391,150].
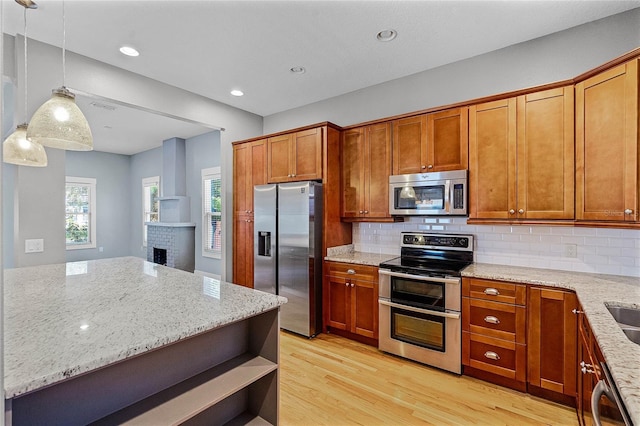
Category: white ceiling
[211,47]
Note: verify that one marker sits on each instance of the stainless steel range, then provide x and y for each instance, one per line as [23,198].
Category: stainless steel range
[420,299]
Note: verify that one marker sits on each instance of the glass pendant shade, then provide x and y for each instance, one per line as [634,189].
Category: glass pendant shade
[59,123]
[408,192]
[17,149]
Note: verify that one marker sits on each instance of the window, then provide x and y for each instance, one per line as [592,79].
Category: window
[212,209]
[150,203]
[80,209]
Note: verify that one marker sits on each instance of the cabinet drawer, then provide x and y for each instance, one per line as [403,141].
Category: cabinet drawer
[493,319]
[351,270]
[495,356]
[497,291]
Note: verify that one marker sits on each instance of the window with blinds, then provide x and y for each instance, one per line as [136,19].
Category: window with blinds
[150,203]
[212,213]
[80,213]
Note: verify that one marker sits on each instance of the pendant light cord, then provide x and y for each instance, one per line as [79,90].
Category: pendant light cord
[64,46]
[25,65]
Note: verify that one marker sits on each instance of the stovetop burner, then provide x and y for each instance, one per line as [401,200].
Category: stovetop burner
[432,254]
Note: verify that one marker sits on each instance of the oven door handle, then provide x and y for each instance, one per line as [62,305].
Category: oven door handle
[419,277]
[418,310]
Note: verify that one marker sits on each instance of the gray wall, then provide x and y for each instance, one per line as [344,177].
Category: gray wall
[559,56]
[142,165]
[113,227]
[202,152]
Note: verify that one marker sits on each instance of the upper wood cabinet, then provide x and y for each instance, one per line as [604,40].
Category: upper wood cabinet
[432,142]
[366,166]
[295,156]
[607,145]
[521,157]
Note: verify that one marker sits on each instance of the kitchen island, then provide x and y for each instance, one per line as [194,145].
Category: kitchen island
[124,340]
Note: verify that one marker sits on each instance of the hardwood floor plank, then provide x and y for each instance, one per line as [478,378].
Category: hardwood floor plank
[333,381]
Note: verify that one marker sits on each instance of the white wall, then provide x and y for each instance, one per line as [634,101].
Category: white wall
[559,56]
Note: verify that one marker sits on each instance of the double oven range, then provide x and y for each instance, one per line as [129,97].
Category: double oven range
[420,299]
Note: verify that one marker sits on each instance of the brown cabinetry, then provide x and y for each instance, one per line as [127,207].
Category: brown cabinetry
[295,156]
[432,142]
[521,157]
[493,331]
[350,300]
[366,166]
[249,169]
[552,342]
[607,146]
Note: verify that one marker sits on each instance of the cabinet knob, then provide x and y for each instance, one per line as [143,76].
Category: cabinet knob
[584,364]
[521,211]
[346,284]
[575,311]
[293,175]
[586,370]
[628,211]
[430,166]
[361,211]
[512,211]
[366,212]
[288,175]
[491,355]
[353,285]
[491,319]
[491,291]
[423,167]
[351,271]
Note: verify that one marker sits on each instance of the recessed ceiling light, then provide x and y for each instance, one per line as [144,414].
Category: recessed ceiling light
[297,70]
[236,92]
[129,51]
[386,35]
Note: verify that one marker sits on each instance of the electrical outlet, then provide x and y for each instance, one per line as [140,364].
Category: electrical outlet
[34,246]
[570,250]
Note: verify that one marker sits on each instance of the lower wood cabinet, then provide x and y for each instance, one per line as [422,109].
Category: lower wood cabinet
[243,250]
[552,340]
[350,301]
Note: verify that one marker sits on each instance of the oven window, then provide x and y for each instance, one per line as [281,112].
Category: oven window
[420,197]
[418,329]
[420,294]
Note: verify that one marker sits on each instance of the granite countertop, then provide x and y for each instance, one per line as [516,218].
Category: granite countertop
[64,320]
[593,291]
[347,254]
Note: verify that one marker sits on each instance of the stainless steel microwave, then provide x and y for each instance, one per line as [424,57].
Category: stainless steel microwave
[429,194]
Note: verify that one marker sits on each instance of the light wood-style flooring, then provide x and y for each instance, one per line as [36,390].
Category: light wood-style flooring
[334,381]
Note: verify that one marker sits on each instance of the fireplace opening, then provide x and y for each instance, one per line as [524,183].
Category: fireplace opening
[159,256]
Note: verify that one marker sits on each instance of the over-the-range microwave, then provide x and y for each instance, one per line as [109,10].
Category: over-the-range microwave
[429,194]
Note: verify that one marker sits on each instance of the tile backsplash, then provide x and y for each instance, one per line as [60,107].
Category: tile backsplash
[596,250]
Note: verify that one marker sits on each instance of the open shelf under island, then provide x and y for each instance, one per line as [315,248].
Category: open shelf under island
[125,341]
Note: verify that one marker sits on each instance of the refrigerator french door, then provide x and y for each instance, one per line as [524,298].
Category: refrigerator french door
[288,251]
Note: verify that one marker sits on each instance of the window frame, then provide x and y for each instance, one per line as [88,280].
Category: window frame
[210,174]
[146,182]
[93,210]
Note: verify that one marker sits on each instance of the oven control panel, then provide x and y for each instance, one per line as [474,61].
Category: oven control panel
[440,241]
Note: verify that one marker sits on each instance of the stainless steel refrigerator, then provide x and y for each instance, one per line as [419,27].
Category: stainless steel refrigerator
[288,251]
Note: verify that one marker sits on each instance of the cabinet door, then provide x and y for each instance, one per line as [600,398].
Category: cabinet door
[545,165]
[377,168]
[243,250]
[306,155]
[241,179]
[552,342]
[352,181]
[409,145]
[258,164]
[607,145]
[448,140]
[279,153]
[492,165]
[364,308]
[339,312]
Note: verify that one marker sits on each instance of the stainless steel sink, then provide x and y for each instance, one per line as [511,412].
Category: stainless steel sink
[629,320]
[627,316]
[633,334]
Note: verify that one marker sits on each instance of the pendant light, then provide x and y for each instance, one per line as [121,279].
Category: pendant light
[59,123]
[17,149]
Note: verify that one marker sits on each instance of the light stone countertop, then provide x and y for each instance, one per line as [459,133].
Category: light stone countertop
[347,254]
[64,320]
[593,290]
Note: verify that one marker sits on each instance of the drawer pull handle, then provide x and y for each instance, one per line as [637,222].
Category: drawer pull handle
[351,271]
[491,355]
[491,291]
[491,319]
